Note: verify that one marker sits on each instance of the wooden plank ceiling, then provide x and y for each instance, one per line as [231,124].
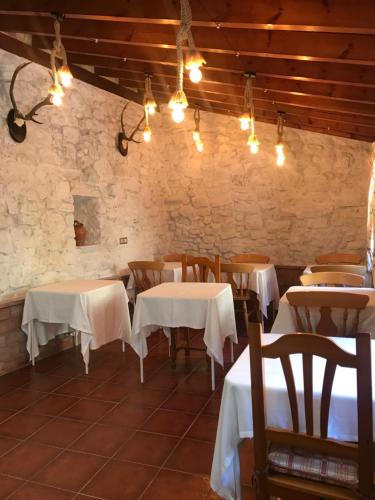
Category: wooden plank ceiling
[313,59]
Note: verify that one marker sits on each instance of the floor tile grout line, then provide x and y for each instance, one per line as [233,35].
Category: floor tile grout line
[178,442]
[135,431]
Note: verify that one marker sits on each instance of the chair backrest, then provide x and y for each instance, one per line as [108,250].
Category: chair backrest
[250,258]
[173,257]
[146,273]
[306,303]
[309,345]
[238,276]
[338,258]
[332,279]
[339,268]
[201,267]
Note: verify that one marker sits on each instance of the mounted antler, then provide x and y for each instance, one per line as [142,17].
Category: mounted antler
[16,119]
[122,139]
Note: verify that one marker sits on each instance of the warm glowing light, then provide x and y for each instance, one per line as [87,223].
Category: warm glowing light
[194,61]
[56,100]
[65,75]
[150,105]
[244,121]
[195,74]
[178,115]
[196,136]
[177,104]
[147,134]
[56,93]
[199,145]
[56,89]
[253,143]
[280,158]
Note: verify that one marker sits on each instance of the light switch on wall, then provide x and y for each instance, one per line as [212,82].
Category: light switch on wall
[124,240]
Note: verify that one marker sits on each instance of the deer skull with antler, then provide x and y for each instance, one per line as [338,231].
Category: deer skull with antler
[16,119]
[123,139]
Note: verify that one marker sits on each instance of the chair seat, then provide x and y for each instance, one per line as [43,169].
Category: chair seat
[317,467]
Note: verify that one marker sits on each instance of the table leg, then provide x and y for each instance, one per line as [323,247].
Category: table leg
[141,363]
[32,335]
[212,373]
[75,335]
[123,346]
[173,347]
[231,352]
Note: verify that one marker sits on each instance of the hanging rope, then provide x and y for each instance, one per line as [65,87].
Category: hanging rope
[280,127]
[197,119]
[183,34]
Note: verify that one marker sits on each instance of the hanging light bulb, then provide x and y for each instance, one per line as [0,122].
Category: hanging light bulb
[199,146]
[65,75]
[148,100]
[178,103]
[253,143]
[196,135]
[194,61]
[57,93]
[247,119]
[244,121]
[62,76]
[280,155]
[147,134]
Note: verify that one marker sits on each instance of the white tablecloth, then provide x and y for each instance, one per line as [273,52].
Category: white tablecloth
[194,305]
[236,423]
[96,308]
[263,282]
[285,319]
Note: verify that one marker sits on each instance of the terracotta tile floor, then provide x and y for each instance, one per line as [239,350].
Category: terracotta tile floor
[64,435]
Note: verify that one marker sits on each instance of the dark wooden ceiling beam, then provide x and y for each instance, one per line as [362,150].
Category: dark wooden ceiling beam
[332,47]
[214,108]
[332,73]
[21,49]
[349,16]
[315,102]
[261,84]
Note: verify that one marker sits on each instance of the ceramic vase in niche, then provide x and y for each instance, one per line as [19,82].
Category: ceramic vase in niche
[80,233]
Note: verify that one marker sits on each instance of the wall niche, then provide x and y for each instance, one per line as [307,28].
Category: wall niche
[86,220]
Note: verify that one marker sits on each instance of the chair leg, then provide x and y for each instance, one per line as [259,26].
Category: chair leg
[245,314]
[187,342]
[173,347]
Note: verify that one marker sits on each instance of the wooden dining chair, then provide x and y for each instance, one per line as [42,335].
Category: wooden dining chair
[173,257]
[297,462]
[239,276]
[338,258]
[340,268]
[323,302]
[250,258]
[332,279]
[146,273]
[201,268]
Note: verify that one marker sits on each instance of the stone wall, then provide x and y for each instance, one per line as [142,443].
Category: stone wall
[227,200]
[73,153]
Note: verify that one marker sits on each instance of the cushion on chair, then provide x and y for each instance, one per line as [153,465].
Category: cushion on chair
[313,466]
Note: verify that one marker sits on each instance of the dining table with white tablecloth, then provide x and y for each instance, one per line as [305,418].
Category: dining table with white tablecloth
[98,309]
[236,421]
[285,319]
[263,281]
[207,306]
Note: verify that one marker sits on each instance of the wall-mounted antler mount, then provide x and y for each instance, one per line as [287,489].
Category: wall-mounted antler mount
[122,138]
[16,119]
